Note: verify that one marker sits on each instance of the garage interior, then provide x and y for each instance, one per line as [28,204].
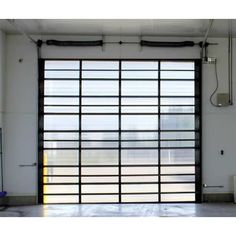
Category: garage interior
[117,117]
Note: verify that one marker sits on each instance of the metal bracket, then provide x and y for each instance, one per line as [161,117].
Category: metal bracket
[28,165]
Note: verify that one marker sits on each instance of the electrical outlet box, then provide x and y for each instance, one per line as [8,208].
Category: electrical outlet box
[222,99]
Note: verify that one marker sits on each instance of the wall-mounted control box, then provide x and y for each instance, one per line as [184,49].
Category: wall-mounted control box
[222,99]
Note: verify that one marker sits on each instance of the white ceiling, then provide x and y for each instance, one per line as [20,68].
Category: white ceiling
[157,27]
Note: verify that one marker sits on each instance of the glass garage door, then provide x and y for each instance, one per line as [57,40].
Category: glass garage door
[119,131]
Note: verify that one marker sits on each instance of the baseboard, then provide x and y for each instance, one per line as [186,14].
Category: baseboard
[18,200]
[218,197]
[32,200]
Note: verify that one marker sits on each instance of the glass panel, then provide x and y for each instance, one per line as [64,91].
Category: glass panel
[139,88]
[177,109]
[178,170]
[178,144]
[60,189]
[99,122]
[100,65]
[61,88]
[60,199]
[100,198]
[99,88]
[178,178]
[61,101]
[64,179]
[74,65]
[139,101]
[177,101]
[100,101]
[60,171]
[170,65]
[100,188]
[100,136]
[139,135]
[99,157]
[100,74]
[100,109]
[61,144]
[139,157]
[177,135]
[139,170]
[177,197]
[140,198]
[177,74]
[177,88]
[100,144]
[98,179]
[62,74]
[60,157]
[139,179]
[178,156]
[139,144]
[139,75]
[139,188]
[177,187]
[61,136]
[99,170]
[49,109]
[137,109]
[139,122]
[61,122]
[139,65]
[178,122]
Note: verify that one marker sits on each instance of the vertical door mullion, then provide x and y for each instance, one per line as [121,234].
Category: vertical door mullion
[80,127]
[159,132]
[119,131]
[41,67]
[198,162]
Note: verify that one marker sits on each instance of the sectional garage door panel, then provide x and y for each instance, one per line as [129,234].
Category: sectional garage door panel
[119,131]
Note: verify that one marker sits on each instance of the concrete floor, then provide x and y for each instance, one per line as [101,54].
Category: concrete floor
[123,210]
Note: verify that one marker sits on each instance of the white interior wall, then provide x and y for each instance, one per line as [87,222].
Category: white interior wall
[20,119]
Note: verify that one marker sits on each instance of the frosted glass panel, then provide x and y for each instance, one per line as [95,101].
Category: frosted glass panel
[61,188]
[177,122]
[139,74]
[99,157]
[61,88]
[100,198]
[140,198]
[177,88]
[139,65]
[139,88]
[177,197]
[177,74]
[99,122]
[100,74]
[167,65]
[177,187]
[98,88]
[61,122]
[60,199]
[100,65]
[178,156]
[62,74]
[72,65]
[139,122]
[139,156]
[61,157]
[61,101]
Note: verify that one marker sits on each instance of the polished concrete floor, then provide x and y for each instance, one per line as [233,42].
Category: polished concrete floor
[123,210]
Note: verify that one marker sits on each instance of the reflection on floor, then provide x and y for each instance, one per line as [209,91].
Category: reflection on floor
[123,210]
